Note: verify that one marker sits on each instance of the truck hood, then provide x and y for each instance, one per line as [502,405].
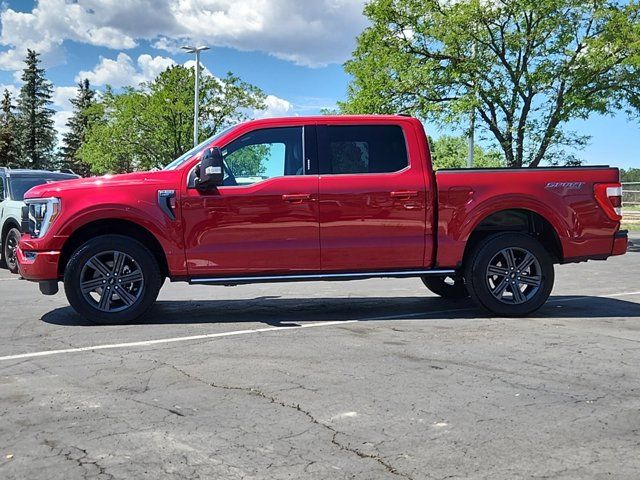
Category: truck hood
[56,189]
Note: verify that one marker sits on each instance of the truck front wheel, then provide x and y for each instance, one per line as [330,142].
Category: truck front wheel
[509,274]
[112,279]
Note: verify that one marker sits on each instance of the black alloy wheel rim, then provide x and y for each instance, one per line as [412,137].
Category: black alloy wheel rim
[12,246]
[111,281]
[514,276]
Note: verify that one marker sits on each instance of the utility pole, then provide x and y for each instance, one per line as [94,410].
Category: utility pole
[472,119]
[196,99]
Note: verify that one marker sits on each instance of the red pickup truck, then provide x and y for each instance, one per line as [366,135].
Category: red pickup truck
[317,198]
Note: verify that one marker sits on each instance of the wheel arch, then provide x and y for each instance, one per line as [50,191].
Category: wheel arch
[524,220]
[113,226]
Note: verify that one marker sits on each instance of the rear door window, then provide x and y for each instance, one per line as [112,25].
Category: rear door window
[362,149]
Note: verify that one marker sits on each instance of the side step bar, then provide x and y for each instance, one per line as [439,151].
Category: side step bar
[317,277]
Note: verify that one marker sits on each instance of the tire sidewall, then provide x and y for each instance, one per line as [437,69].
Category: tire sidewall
[12,232]
[145,259]
[437,285]
[477,267]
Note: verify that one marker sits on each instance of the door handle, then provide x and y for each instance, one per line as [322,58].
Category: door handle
[296,198]
[404,195]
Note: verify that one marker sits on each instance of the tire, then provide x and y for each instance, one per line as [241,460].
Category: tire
[496,263]
[453,288]
[10,243]
[96,265]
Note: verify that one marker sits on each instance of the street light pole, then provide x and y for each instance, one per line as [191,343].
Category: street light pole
[196,96]
[472,120]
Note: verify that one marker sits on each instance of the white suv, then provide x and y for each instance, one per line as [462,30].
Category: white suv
[13,185]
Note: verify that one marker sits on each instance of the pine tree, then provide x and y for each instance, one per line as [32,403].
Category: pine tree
[37,135]
[9,155]
[78,125]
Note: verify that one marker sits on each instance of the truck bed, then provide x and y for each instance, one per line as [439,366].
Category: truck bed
[563,196]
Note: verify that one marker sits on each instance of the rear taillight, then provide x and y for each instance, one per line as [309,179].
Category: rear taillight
[609,197]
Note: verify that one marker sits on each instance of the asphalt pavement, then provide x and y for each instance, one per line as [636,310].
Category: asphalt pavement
[374,379]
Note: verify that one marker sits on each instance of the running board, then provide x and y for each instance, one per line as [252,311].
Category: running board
[317,277]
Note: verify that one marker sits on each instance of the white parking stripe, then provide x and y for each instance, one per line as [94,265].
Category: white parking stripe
[622,294]
[145,343]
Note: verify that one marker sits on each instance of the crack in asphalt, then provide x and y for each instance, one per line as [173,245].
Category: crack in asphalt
[275,400]
[80,456]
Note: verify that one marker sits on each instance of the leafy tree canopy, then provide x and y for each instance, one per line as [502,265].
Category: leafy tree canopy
[630,175]
[526,66]
[451,152]
[149,126]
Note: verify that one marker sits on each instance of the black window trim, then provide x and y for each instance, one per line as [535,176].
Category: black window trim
[324,160]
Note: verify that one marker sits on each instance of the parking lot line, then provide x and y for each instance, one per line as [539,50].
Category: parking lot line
[145,343]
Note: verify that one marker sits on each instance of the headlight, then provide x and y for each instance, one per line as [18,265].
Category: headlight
[41,214]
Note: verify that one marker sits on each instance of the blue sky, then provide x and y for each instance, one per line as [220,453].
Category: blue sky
[292,49]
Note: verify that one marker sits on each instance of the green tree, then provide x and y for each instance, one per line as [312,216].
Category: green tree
[78,125]
[249,161]
[114,143]
[9,155]
[153,124]
[36,132]
[630,175]
[451,152]
[527,67]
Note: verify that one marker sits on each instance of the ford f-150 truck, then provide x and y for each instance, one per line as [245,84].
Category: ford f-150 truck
[317,198]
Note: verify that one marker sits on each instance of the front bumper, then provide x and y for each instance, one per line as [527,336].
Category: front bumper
[37,266]
[620,243]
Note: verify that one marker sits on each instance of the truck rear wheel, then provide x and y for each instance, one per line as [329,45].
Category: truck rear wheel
[112,279]
[452,287]
[509,274]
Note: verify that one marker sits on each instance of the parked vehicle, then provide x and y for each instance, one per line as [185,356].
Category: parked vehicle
[334,198]
[13,185]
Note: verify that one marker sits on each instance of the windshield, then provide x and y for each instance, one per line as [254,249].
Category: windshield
[20,186]
[196,150]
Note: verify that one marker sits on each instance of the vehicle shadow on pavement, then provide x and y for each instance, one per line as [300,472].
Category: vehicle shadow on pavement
[290,312]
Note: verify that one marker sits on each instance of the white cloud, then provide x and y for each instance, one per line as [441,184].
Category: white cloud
[13,90]
[62,96]
[60,119]
[275,107]
[203,70]
[307,33]
[150,67]
[123,72]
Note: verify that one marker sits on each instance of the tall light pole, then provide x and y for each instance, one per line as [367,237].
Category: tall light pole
[472,119]
[196,98]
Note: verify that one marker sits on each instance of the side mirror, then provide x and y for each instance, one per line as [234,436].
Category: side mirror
[210,173]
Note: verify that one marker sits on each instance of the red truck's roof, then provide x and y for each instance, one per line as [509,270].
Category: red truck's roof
[335,119]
